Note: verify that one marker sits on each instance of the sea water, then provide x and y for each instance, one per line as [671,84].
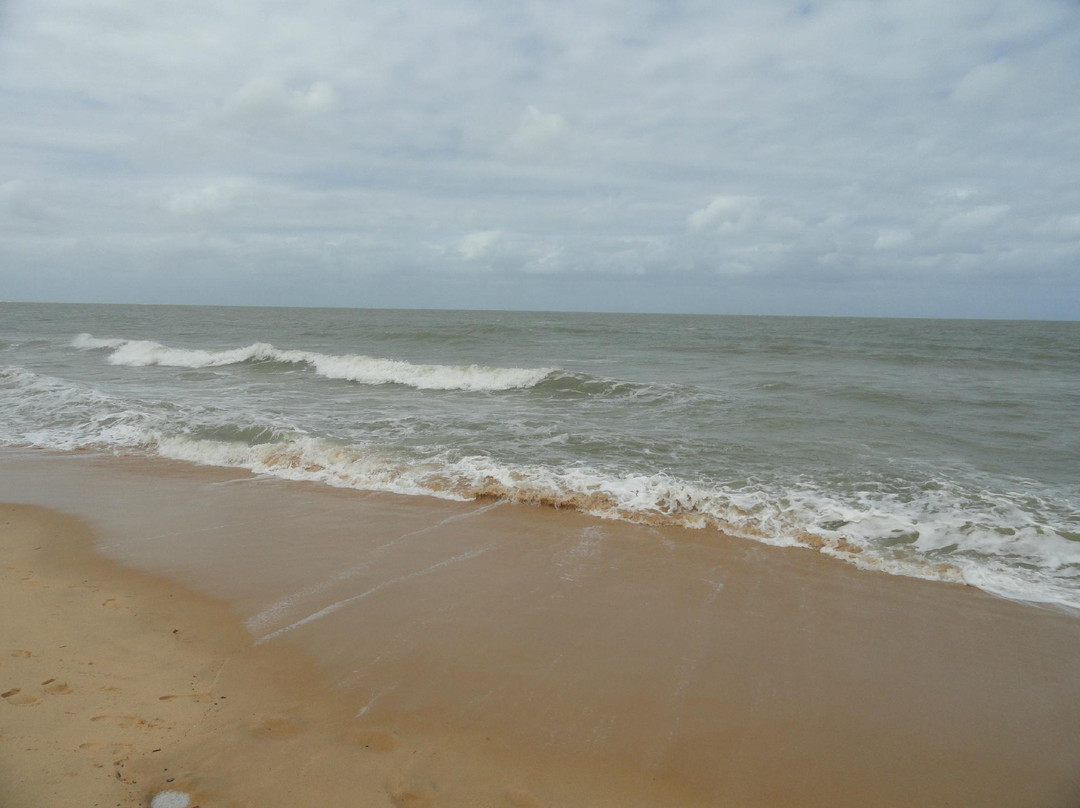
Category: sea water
[941,449]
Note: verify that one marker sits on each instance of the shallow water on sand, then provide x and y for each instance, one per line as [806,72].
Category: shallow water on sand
[596,662]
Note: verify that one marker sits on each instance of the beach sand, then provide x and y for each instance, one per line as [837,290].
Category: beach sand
[118,685]
[256,642]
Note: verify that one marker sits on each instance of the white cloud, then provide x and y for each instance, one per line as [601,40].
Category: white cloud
[891,239]
[217,197]
[1061,228]
[852,139]
[725,214]
[263,99]
[538,135]
[476,244]
[552,259]
[976,219]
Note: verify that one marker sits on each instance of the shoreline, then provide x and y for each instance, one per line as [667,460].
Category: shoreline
[431,653]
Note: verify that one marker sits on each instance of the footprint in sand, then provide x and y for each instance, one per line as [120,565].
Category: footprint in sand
[18,698]
[199,698]
[373,739]
[275,728]
[55,688]
[23,654]
[130,721]
[406,797]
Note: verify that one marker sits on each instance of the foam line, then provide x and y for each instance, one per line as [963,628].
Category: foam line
[350,367]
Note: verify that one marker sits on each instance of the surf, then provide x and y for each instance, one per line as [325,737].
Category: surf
[357,368]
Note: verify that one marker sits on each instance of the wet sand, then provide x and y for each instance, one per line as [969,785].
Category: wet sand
[385,650]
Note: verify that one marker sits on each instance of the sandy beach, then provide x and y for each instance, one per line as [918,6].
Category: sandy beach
[118,685]
[264,643]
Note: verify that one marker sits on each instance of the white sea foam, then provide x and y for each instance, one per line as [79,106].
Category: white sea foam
[53,413]
[351,367]
[1002,542]
[929,529]
[59,414]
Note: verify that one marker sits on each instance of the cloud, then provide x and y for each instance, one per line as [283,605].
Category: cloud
[217,197]
[892,239]
[838,142]
[1065,227]
[19,202]
[752,224]
[978,218]
[725,214]
[476,244]
[538,136]
[983,82]
[1069,225]
[262,100]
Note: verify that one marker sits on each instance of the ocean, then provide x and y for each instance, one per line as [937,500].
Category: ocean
[940,449]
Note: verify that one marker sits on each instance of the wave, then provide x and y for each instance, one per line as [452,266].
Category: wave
[351,367]
[58,414]
[581,386]
[53,413]
[362,369]
[1009,543]
[932,536]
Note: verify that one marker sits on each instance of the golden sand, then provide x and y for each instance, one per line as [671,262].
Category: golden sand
[308,646]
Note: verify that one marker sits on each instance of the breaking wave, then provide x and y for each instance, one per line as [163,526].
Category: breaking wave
[1008,543]
[351,367]
[59,414]
[906,535]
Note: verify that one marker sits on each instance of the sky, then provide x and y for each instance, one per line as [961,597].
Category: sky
[845,157]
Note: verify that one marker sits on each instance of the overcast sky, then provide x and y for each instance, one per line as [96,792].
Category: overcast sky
[897,157]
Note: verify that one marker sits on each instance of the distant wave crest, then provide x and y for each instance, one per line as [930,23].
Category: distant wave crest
[351,367]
